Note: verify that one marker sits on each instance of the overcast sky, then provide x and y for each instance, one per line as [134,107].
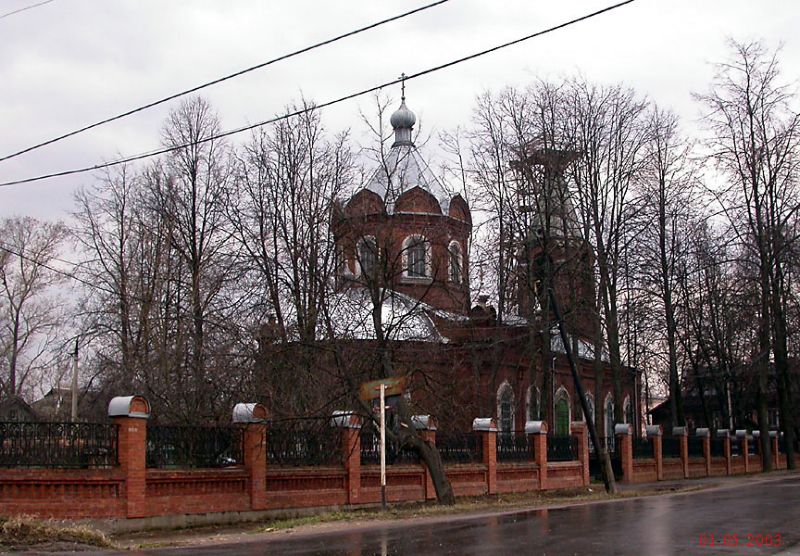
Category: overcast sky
[71,62]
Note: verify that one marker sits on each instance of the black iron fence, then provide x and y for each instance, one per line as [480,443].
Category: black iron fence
[395,454]
[172,447]
[754,446]
[562,448]
[460,448]
[609,443]
[695,446]
[671,447]
[717,447]
[67,445]
[736,447]
[306,442]
[643,448]
[514,446]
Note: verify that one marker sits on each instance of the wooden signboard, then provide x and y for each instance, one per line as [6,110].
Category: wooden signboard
[371,390]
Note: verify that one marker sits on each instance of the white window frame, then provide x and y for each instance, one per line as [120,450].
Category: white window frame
[362,240]
[505,387]
[460,256]
[417,238]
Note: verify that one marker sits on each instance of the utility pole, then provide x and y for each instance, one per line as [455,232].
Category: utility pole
[74,409]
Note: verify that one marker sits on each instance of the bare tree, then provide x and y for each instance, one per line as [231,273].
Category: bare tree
[30,312]
[754,133]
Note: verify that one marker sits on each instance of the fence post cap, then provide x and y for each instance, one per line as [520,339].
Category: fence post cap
[577,426]
[702,432]
[249,413]
[724,433]
[423,422]
[129,406]
[741,433]
[756,434]
[773,434]
[535,427]
[623,428]
[653,430]
[345,419]
[679,431]
[484,424]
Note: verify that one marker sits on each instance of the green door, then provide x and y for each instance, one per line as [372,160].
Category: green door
[562,417]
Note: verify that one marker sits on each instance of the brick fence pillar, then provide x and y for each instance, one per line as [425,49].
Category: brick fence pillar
[487,428]
[253,417]
[773,438]
[350,424]
[655,433]
[537,436]
[725,435]
[744,446]
[705,435]
[578,428]
[426,425]
[623,433]
[130,414]
[682,434]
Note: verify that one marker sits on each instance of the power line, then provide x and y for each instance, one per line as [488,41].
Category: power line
[225,78]
[24,9]
[289,115]
[70,275]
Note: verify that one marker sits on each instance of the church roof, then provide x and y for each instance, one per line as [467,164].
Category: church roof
[404,169]
[403,317]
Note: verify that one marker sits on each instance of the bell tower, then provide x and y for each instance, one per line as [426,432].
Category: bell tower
[555,253]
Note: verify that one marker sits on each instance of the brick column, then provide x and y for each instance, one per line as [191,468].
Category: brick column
[578,428]
[705,434]
[773,436]
[350,424]
[726,447]
[655,432]
[252,417]
[681,433]
[426,425]
[487,428]
[130,414]
[741,436]
[537,436]
[623,433]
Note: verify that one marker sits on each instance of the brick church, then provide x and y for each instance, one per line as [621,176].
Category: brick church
[403,244]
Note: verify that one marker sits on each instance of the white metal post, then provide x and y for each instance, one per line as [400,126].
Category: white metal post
[383,446]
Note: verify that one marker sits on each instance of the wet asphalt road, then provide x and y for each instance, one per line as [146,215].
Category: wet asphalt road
[673,524]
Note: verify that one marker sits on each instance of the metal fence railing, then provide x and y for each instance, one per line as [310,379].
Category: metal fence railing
[307,442]
[67,445]
[736,447]
[395,454]
[643,448]
[174,447]
[717,447]
[514,446]
[562,448]
[609,443]
[695,447]
[671,447]
[754,446]
[460,448]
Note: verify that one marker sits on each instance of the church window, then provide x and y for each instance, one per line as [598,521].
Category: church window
[562,417]
[456,262]
[505,408]
[416,257]
[609,417]
[368,256]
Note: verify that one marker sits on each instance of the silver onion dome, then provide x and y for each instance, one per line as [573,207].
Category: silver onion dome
[403,121]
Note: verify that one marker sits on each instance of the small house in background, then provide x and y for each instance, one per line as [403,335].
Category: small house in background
[56,405]
[16,409]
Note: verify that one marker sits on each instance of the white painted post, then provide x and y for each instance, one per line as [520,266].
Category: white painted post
[383,446]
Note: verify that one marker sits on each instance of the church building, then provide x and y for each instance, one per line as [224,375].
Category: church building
[403,244]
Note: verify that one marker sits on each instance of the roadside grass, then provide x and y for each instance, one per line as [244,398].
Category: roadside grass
[593,493]
[26,531]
